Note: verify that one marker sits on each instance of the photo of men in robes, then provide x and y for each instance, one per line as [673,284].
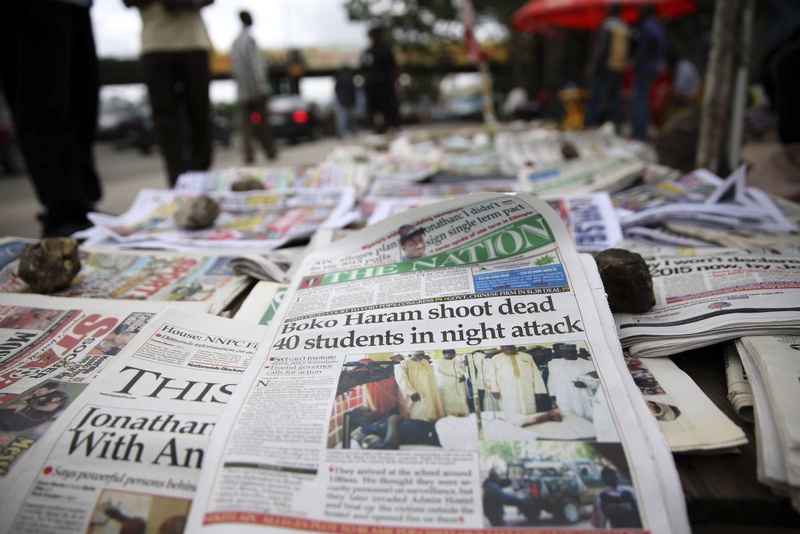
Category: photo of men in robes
[516,382]
[565,371]
[419,392]
[452,380]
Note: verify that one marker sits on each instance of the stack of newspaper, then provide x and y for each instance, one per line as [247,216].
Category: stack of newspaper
[702,209]
[498,271]
[709,298]
[773,368]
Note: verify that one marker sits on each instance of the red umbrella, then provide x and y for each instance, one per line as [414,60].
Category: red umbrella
[588,14]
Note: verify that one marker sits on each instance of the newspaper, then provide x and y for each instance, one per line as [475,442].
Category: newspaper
[126,455]
[584,175]
[141,275]
[253,219]
[689,419]
[325,175]
[710,298]
[262,303]
[590,219]
[271,265]
[294,448]
[740,393]
[51,348]
[773,367]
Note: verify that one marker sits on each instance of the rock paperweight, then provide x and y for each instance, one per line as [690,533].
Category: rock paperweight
[50,264]
[247,184]
[626,279]
[196,213]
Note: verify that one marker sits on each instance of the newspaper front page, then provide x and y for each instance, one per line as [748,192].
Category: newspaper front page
[420,375]
[126,455]
[710,298]
[142,275]
[50,349]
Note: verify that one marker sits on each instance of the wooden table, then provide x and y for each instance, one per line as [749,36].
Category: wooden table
[722,491]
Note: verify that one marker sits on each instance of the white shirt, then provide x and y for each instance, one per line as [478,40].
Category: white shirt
[248,68]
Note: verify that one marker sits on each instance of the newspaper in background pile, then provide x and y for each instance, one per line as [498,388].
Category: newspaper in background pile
[141,275]
[252,219]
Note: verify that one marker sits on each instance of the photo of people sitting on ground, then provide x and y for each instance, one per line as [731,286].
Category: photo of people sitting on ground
[454,398]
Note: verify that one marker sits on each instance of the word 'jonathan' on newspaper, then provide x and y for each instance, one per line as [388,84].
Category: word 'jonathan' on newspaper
[126,455]
[422,373]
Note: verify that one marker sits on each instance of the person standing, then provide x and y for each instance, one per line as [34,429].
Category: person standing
[452,381]
[419,392]
[651,48]
[565,368]
[515,381]
[609,59]
[250,72]
[49,72]
[380,74]
[345,105]
[613,506]
[175,57]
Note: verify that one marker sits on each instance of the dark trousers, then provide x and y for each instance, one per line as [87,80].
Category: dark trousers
[255,119]
[605,90]
[49,72]
[178,83]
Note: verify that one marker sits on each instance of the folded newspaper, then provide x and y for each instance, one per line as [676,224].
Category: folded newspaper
[706,299]
[126,455]
[138,275]
[341,425]
[773,368]
[52,348]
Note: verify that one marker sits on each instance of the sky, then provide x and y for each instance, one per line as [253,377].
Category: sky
[276,24]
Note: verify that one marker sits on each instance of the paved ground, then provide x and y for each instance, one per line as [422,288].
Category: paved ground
[125,172]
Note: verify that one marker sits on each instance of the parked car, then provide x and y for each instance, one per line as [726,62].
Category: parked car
[111,116]
[293,118]
[137,130]
[552,486]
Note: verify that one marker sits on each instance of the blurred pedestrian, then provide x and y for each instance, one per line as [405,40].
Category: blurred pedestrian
[380,75]
[249,70]
[345,104]
[608,61]
[650,50]
[49,72]
[175,57]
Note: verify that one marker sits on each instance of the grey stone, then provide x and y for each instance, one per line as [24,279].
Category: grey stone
[626,279]
[247,184]
[50,264]
[196,213]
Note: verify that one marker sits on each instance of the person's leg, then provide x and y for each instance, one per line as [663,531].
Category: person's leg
[614,88]
[598,95]
[37,70]
[245,109]
[159,75]
[785,73]
[265,128]
[639,108]
[197,79]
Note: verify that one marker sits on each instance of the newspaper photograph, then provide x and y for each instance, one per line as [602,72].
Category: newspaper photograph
[402,384]
[142,275]
[128,452]
[50,349]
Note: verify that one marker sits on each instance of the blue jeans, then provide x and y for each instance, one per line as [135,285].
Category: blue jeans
[606,89]
[640,104]
[345,120]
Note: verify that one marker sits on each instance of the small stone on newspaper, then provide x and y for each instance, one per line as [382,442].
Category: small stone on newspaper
[50,264]
[247,184]
[196,213]
[627,280]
